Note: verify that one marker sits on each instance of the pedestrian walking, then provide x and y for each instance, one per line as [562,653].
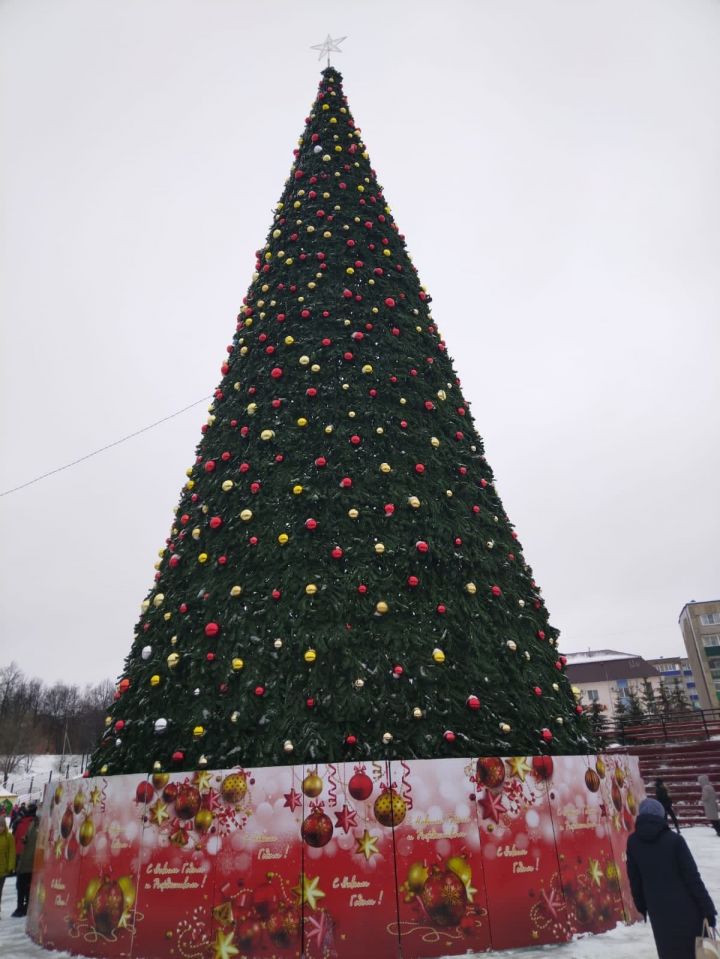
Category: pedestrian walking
[663,797]
[709,800]
[666,885]
[24,866]
[7,853]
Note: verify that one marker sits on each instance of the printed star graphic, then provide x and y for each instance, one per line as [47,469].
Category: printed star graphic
[492,806]
[224,948]
[328,46]
[367,845]
[203,780]
[519,766]
[595,872]
[95,796]
[159,812]
[309,890]
[58,848]
[346,818]
[552,903]
[292,800]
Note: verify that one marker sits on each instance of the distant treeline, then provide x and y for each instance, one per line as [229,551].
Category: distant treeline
[37,718]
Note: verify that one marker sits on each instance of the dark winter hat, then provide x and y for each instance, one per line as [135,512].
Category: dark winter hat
[651,807]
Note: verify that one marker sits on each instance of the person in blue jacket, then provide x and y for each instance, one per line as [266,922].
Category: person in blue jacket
[666,884]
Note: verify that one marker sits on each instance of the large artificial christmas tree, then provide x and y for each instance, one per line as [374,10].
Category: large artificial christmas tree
[341,581]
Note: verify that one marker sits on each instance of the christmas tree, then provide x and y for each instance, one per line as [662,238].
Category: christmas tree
[341,580]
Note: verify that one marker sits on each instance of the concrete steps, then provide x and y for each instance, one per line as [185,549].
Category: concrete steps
[679,766]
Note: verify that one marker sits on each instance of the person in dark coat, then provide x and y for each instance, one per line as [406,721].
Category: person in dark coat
[666,884]
[24,865]
[663,797]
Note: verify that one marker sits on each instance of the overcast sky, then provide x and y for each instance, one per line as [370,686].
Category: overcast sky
[554,167]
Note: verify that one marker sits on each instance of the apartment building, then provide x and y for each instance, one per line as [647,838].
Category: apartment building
[700,627]
[674,669]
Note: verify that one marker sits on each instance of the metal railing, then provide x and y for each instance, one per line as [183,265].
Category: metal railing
[697,725]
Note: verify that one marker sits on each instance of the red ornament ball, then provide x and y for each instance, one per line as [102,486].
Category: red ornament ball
[473,702]
[547,735]
[421,546]
[144,793]
[187,801]
[215,522]
[310,523]
[360,785]
[449,736]
[212,629]
[543,767]
[413,581]
[490,771]
[317,829]
[496,591]
[276,372]
[351,740]
[537,690]
[444,897]
[259,690]
[336,552]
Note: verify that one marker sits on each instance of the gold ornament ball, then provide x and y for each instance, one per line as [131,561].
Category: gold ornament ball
[417,876]
[470,588]
[227,486]
[237,664]
[312,784]
[234,716]
[387,738]
[198,731]
[438,655]
[311,589]
[359,683]
[87,832]
[288,746]
[417,713]
[385,468]
[155,680]
[504,727]
[246,515]
[511,645]
[460,867]
[414,502]
[381,607]
[278,644]
[434,441]
[236,590]
[577,692]
[297,489]
[304,360]
[301,421]
[203,761]
[159,599]
[203,558]
[367,368]
[283,538]
[353,513]
[267,435]
[310,656]
[203,820]
[173,659]
[379,548]
[196,533]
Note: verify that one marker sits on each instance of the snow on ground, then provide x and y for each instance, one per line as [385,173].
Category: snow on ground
[624,942]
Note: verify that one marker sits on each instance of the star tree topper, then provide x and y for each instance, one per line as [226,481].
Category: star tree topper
[328,46]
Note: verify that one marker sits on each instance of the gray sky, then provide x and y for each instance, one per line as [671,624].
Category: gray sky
[554,167]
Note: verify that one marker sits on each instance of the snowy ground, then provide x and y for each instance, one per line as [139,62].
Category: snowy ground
[29,780]
[633,942]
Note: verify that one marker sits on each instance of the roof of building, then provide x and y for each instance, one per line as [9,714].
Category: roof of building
[594,655]
[702,602]
[623,666]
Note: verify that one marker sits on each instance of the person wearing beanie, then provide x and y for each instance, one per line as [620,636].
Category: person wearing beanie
[666,885]
[663,797]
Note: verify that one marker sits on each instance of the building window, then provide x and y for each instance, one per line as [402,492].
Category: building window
[712,639]
[690,685]
[593,695]
[622,684]
[710,619]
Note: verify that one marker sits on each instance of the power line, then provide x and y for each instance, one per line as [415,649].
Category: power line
[102,449]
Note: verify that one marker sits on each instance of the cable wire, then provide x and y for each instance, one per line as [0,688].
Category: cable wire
[102,449]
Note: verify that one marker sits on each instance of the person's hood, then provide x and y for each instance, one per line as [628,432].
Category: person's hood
[703,780]
[649,828]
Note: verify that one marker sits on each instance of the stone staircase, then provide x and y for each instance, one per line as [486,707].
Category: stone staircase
[679,765]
